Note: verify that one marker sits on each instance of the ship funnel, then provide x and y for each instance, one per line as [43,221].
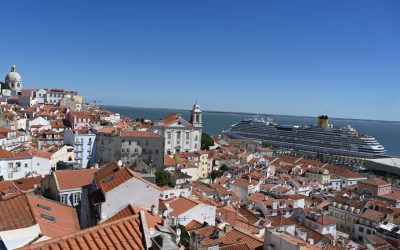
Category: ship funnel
[323,121]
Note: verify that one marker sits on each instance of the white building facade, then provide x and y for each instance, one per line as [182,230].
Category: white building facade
[181,135]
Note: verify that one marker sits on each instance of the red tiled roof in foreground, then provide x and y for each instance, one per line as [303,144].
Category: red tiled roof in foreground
[27,209]
[125,233]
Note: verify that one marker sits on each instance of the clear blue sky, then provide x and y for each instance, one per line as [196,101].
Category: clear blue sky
[338,57]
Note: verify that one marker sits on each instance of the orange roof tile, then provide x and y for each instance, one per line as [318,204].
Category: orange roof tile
[181,205]
[28,183]
[73,179]
[125,233]
[236,236]
[26,210]
[136,133]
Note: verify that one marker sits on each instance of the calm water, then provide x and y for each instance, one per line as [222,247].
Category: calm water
[387,133]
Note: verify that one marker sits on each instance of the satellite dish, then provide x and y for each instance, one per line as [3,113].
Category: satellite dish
[103,216]
[152,231]
[178,231]
[119,163]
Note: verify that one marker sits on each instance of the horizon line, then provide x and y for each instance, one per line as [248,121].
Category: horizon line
[253,113]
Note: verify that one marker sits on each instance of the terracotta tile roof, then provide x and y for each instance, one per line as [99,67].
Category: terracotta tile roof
[125,212]
[151,220]
[236,236]
[39,153]
[28,183]
[373,215]
[26,210]
[256,197]
[125,233]
[181,205]
[106,130]
[111,176]
[169,161]
[280,220]
[74,179]
[66,219]
[229,214]
[7,187]
[374,182]
[249,215]
[193,225]
[117,178]
[343,172]
[15,213]
[170,118]
[244,183]
[136,133]
[237,246]
[6,130]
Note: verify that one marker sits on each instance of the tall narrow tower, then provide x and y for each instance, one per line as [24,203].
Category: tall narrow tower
[197,116]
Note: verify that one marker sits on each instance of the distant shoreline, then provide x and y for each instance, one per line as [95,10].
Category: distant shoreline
[249,113]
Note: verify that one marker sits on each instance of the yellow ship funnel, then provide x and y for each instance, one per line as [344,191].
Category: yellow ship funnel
[323,121]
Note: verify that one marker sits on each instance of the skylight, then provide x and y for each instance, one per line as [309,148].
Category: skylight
[44,207]
[48,217]
[108,179]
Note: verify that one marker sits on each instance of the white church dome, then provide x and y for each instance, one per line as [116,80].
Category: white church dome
[13,75]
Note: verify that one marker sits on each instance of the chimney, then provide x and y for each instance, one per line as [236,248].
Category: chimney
[250,179]
[154,210]
[120,164]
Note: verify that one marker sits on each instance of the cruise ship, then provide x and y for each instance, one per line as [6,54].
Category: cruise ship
[320,138]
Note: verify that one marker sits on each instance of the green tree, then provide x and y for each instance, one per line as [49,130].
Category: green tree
[224,168]
[206,141]
[163,178]
[216,174]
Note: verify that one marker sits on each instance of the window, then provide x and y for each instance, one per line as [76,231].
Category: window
[196,138]
[62,198]
[369,231]
[349,219]
[18,164]
[178,135]
[10,165]
[360,238]
[76,198]
[169,135]
[187,135]
[10,175]
[26,165]
[361,229]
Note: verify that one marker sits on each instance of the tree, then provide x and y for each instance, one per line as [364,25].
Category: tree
[163,178]
[206,141]
[224,168]
[216,174]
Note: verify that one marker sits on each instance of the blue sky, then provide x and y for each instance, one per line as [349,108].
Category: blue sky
[338,57]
